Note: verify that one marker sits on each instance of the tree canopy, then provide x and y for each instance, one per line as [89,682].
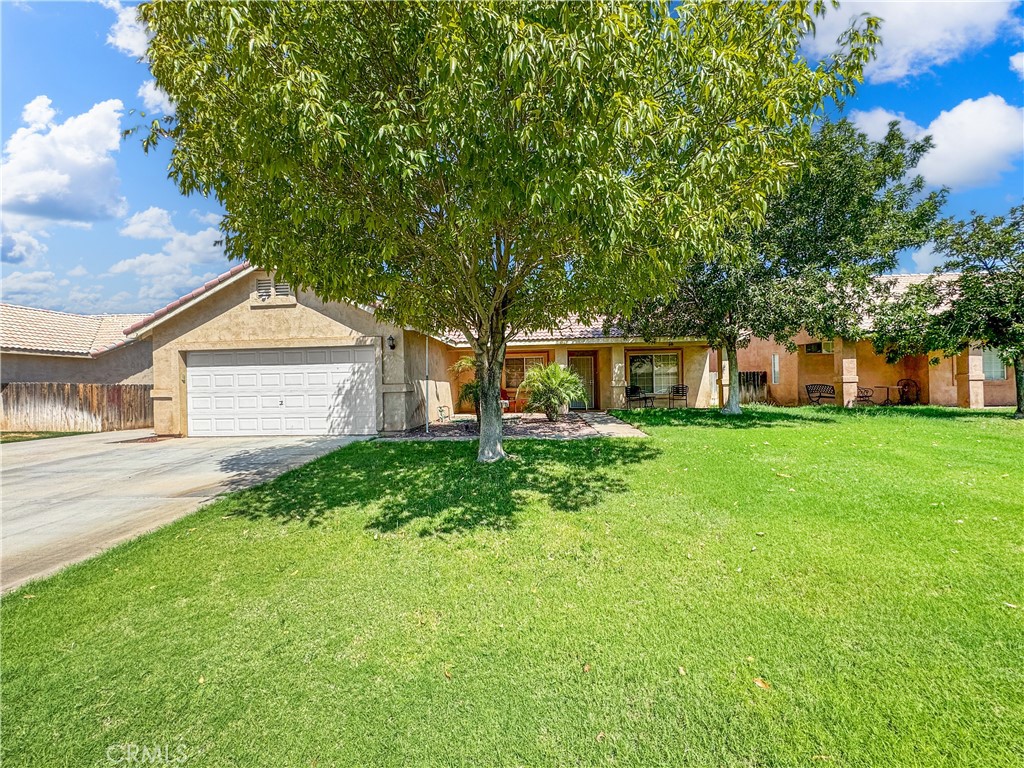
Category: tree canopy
[976,297]
[488,168]
[813,262]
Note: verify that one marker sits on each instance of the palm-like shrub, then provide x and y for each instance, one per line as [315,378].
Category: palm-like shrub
[552,388]
[469,392]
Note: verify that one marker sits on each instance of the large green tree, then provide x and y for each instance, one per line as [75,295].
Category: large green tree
[814,261]
[975,297]
[488,168]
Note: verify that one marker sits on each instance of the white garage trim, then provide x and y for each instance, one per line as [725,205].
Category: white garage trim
[304,391]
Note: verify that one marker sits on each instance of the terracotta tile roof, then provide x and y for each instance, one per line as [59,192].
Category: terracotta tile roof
[188,297]
[43,330]
[901,283]
[570,330]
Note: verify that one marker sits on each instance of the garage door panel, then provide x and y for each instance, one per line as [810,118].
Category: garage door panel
[298,391]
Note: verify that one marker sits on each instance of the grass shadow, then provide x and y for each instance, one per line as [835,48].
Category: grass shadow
[441,487]
[793,416]
[752,416]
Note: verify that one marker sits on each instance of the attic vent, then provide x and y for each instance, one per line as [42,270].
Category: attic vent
[264,289]
[267,288]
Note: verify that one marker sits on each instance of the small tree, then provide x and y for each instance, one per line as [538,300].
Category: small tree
[981,302]
[551,387]
[813,263]
[488,168]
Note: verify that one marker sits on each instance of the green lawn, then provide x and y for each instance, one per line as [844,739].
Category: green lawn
[597,602]
[20,437]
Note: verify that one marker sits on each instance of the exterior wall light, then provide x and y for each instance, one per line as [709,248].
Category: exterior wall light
[391,342]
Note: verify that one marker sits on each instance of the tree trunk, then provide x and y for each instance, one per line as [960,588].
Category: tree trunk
[733,406]
[1018,376]
[489,364]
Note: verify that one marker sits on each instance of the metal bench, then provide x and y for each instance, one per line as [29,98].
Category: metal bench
[679,392]
[818,392]
[636,395]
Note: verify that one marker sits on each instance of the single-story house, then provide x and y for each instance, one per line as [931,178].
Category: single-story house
[245,354]
[40,345]
[974,379]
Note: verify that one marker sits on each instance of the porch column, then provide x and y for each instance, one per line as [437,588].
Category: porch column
[844,358]
[618,377]
[723,378]
[970,379]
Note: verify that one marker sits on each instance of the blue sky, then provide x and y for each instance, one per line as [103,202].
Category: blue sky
[92,224]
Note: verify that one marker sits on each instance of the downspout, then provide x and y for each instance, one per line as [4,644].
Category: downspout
[426,381]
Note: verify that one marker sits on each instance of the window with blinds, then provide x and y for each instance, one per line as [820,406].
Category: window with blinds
[654,374]
[516,368]
[992,364]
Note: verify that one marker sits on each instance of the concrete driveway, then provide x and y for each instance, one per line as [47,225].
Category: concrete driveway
[67,498]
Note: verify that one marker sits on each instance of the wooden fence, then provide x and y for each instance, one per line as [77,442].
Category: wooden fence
[56,407]
[753,386]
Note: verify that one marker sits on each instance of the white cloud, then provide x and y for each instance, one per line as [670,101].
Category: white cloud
[79,271]
[21,248]
[926,259]
[127,34]
[875,122]
[62,172]
[172,271]
[975,142]
[152,223]
[36,289]
[154,98]
[917,36]
[38,113]
[213,219]
[1017,64]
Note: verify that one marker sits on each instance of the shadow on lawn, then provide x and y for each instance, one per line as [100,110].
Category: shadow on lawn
[712,417]
[441,484]
[778,416]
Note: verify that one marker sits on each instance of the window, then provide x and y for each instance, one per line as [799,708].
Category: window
[994,367]
[516,368]
[820,348]
[653,373]
[775,369]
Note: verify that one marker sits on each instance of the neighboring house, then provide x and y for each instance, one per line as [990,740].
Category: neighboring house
[973,379]
[40,345]
[247,355]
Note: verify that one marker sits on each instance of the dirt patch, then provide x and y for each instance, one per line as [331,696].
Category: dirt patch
[536,425]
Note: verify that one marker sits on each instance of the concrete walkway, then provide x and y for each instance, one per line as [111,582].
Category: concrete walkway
[65,499]
[609,426]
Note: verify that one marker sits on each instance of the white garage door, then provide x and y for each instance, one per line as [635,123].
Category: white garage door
[329,391]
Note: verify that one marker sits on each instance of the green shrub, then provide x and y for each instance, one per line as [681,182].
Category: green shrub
[552,388]
[469,392]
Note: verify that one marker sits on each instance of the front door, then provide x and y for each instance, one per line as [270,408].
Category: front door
[583,365]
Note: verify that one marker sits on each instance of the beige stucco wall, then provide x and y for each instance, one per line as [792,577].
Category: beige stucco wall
[938,382]
[433,379]
[757,356]
[611,374]
[129,364]
[233,318]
